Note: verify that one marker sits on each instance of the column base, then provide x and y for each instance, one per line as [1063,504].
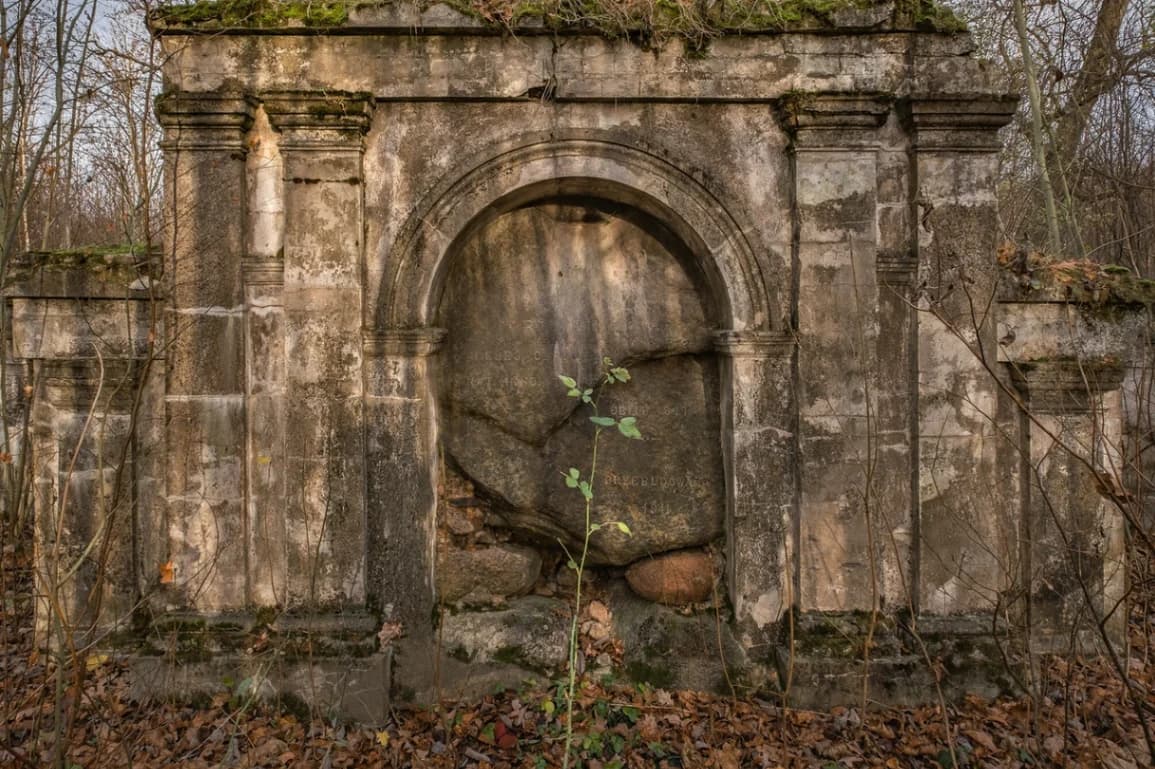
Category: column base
[329,665]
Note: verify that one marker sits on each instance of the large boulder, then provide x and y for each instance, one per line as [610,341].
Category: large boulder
[549,290]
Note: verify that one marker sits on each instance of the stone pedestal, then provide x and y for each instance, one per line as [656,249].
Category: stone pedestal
[83,340]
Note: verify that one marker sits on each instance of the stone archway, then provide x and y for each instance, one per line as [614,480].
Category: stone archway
[737,323]
[414,269]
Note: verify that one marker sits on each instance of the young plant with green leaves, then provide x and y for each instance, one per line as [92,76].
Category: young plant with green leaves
[584,484]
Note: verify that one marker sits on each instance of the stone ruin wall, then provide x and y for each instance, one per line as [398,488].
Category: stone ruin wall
[385,240]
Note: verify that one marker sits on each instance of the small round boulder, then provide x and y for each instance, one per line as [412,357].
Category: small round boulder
[686,576]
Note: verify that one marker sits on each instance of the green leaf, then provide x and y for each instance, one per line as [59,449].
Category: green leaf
[569,382]
[628,426]
[571,564]
[587,492]
[548,707]
[595,527]
[587,399]
[620,374]
[604,421]
[574,392]
[622,527]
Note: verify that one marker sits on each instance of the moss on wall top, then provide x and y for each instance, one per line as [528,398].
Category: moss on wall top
[662,19]
[255,14]
[120,265]
[1032,276]
[92,258]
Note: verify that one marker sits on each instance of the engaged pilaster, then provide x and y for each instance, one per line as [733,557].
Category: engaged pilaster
[204,402]
[967,471]
[854,443]
[760,494]
[321,147]
[265,395]
[401,450]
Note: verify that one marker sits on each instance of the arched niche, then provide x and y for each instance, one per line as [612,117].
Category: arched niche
[738,355]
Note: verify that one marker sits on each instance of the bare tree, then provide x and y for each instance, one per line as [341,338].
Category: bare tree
[46,53]
[1086,137]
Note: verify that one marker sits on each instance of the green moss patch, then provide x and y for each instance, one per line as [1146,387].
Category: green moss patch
[255,14]
[637,19]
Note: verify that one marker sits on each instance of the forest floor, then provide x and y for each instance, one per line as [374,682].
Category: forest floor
[1083,714]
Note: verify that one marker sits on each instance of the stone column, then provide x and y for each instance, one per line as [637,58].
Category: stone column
[321,145]
[759,448]
[967,476]
[401,457]
[854,446]
[205,344]
[1072,532]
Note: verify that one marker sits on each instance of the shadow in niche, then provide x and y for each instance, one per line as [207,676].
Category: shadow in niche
[546,289]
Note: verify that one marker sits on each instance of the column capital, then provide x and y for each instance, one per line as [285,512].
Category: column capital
[896,269]
[319,120]
[959,123]
[263,271]
[1066,386]
[833,120]
[402,342]
[204,121]
[754,343]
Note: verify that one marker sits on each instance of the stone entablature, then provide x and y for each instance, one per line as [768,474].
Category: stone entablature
[387,239]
